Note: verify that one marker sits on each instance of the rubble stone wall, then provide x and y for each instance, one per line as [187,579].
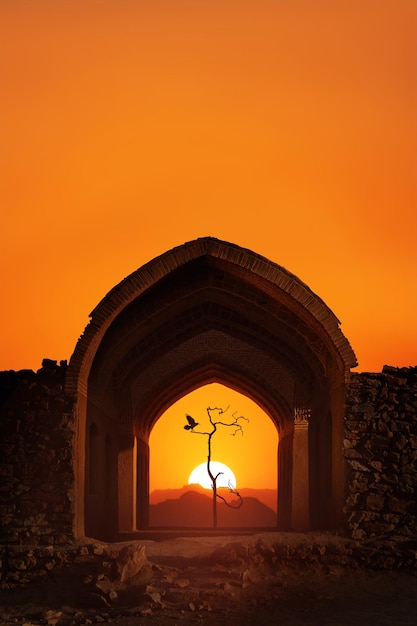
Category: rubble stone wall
[380,452]
[37,428]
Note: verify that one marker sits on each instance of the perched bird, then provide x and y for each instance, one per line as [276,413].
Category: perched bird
[191,422]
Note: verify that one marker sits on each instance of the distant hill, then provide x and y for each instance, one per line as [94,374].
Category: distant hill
[266,496]
[194,508]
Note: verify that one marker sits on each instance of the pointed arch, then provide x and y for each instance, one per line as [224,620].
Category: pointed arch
[207,311]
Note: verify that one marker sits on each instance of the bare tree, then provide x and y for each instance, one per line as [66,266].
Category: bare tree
[236,425]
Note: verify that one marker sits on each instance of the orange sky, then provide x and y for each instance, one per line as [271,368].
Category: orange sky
[131,126]
[252,455]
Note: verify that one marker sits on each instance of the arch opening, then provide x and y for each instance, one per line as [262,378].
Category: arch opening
[208,312]
[250,453]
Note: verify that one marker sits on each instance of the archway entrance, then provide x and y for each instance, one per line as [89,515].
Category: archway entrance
[205,312]
[248,449]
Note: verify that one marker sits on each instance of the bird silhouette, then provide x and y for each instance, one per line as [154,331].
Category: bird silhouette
[191,422]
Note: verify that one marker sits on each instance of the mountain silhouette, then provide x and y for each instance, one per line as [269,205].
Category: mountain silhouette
[194,509]
[266,496]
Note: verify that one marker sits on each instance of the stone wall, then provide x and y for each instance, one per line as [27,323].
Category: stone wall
[38,429]
[36,472]
[380,449]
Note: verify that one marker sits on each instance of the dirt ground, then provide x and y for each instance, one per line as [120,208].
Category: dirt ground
[184,584]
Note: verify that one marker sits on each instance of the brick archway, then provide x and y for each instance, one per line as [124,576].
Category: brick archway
[208,311]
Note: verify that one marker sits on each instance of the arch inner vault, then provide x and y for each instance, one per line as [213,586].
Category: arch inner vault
[207,311]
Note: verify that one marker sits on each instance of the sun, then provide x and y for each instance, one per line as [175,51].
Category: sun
[200,476]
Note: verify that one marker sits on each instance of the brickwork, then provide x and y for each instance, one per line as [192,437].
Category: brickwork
[260,269]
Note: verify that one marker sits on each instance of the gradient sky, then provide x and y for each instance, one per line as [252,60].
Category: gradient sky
[131,126]
[251,454]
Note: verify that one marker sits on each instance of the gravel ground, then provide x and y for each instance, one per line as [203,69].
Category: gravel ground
[182,584]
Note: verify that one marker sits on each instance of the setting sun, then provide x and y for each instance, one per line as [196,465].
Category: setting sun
[200,475]
[252,455]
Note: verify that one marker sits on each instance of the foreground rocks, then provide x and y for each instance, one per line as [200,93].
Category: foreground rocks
[192,578]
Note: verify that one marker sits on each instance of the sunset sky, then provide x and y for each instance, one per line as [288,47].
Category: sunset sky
[129,127]
[251,454]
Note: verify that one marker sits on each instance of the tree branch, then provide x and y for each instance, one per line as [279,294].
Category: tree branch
[233,491]
[237,428]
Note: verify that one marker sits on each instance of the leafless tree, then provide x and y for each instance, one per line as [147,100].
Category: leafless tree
[236,426]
